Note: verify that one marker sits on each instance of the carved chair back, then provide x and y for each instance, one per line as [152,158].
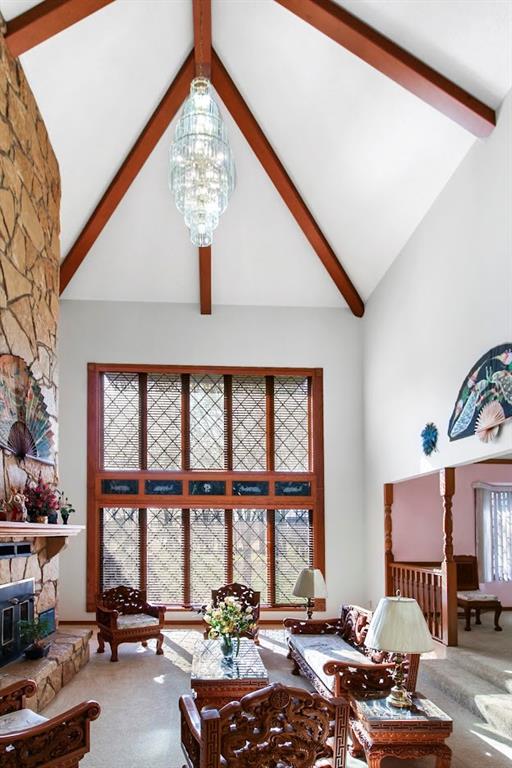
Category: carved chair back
[126,600]
[246,596]
[276,726]
[467,573]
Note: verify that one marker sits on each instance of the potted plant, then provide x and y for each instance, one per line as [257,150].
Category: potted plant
[227,620]
[34,632]
[66,508]
[41,502]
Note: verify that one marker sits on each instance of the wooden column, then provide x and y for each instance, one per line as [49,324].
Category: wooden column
[449,568]
[388,537]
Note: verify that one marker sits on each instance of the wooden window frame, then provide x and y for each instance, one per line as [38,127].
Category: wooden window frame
[96,500]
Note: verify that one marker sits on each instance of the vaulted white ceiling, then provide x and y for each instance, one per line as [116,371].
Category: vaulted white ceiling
[368,157]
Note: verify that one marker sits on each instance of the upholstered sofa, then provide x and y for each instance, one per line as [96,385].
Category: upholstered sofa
[332,655]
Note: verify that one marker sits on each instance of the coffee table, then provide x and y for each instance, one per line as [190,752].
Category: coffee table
[216,682]
[379,731]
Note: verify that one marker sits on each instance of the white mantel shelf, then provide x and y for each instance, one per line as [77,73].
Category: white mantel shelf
[56,535]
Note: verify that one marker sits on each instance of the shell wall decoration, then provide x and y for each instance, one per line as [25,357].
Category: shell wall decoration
[485,398]
[429,437]
[25,428]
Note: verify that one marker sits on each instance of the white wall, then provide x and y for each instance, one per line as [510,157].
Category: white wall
[177,334]
[445,301]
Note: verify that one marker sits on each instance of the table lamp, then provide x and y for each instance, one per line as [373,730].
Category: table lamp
[399,627]
[310,584]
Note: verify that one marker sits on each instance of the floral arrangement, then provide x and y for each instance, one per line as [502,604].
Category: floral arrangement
[43,501]
[40,499]
[66,508]
[228,619]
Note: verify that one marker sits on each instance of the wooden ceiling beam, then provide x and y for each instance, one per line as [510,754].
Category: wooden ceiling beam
[202,10]
[395,62]
[205,280]
[261,147]
[139,153]
[202,37]
[46,20]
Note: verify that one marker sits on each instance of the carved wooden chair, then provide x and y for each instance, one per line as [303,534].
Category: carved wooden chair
[31,740]
[123,615]
[247,597]
[274,726]
[470,597]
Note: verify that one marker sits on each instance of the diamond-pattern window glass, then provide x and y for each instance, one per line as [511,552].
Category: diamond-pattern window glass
[207,553]
[164,421]
[249,423]
[120,548]
[165,556]
[121,431]
[293,550]
[207,422]
[291,424]
[250,550]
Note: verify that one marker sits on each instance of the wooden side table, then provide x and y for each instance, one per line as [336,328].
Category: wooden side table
[216,683]
[379,731]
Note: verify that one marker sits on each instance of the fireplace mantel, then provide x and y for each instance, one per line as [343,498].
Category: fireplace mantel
[56,535]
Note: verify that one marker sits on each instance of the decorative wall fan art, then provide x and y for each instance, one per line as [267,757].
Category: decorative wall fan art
[25,428]
[485,398]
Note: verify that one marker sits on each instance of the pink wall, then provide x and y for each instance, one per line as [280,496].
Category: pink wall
[417,517]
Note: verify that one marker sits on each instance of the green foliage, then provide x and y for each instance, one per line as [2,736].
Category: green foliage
[35,630]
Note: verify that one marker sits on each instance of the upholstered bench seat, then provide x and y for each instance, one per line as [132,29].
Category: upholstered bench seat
[317,650]
[19,720]
[136,621]
[476,595]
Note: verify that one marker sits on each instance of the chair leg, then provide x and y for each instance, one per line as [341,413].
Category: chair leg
[101,644]
[113,651]
[467,614]
[159,644]
[497,614]
[477,616]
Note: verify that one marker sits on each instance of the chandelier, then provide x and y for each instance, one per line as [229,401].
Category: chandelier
[202,170]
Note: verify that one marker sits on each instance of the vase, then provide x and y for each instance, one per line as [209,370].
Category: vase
[229,645]
[41,519]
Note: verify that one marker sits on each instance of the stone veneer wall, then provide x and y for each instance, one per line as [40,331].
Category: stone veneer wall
[37,566]
[29,281]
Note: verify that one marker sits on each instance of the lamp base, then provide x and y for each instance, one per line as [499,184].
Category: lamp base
[399,697]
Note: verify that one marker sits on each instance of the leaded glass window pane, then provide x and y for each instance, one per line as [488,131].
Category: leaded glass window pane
[121,428]
[291,417]
[250,549]
[120,547]
[164,421]
[207,428]
[293,550]
[249,423]
[165,556]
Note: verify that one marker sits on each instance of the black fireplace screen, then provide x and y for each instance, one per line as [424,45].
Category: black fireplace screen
[16,604]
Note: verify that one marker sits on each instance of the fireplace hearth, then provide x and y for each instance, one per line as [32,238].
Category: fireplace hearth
[16,604]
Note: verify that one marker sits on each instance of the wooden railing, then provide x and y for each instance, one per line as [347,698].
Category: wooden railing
[423,582]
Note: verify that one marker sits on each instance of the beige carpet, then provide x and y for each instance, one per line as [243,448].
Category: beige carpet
[139,727]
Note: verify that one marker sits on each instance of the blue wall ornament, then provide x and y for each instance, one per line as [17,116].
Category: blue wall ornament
[429,437]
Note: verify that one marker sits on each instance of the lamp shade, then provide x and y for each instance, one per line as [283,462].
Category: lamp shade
[310,583]
[398,626]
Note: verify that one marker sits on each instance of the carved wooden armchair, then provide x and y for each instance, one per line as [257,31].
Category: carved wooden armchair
[276,725]
[247,597]
[29,740]
[123,615]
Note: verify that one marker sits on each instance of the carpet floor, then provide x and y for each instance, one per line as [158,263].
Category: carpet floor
[139,724]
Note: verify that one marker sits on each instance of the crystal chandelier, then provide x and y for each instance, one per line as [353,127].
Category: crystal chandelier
[202,170]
